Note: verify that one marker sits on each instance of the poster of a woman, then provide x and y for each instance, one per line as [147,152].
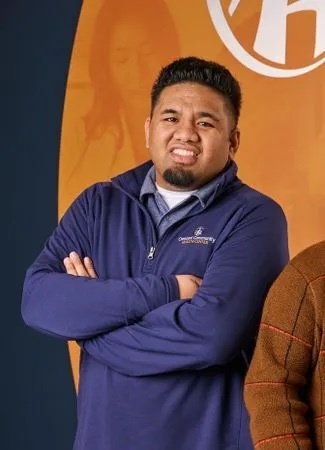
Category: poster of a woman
[129,43]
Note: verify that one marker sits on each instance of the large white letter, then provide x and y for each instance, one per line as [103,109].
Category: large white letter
[271,35]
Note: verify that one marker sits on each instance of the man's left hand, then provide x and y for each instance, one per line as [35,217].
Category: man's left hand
[74,265]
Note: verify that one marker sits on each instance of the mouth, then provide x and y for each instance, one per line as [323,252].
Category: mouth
[184,156]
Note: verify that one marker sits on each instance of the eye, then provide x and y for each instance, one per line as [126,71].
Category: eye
[120,57]
[205,124]
[147,52]
[170,119]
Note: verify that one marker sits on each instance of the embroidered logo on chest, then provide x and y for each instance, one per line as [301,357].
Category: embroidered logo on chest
[197,238]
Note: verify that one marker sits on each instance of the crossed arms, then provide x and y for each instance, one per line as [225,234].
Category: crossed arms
[143,326]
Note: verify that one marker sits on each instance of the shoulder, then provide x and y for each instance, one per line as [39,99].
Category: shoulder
[92,197]
[304,268]
[95,190]
[310,262]
[258,204]
[256,197]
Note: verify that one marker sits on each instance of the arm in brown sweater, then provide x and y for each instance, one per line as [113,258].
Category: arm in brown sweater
[277,379]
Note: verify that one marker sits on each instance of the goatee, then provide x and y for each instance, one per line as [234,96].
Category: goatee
[179,177]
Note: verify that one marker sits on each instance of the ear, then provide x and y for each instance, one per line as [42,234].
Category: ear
[234,141]
[147,130]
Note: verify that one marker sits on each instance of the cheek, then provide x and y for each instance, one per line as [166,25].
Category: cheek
[160,136]
[158,149]
[218,155]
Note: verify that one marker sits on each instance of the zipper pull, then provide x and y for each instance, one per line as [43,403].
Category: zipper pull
[151,252]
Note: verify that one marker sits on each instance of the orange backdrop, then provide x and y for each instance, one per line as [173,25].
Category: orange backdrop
[275,48]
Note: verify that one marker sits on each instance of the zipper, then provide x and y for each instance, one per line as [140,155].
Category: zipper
[153,249]
[151,253]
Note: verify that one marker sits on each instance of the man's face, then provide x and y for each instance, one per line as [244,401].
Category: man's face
[190,135]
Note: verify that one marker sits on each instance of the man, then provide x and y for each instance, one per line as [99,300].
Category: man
[285,386]
[167,268]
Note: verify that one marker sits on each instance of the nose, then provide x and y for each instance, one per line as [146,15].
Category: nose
[186,131]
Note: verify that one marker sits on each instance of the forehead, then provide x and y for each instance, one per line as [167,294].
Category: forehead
[128,32]
[191,95]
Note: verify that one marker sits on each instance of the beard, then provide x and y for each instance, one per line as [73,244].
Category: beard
[179,177]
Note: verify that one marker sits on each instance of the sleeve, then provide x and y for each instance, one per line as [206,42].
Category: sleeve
[277,377]
[221,320]
[71,307]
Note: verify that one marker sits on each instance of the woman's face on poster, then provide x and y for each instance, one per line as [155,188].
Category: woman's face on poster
[135,57]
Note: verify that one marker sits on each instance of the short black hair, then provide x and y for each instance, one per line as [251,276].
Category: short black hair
[191,69]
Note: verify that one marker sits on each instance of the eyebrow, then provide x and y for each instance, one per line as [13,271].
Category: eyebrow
[169,111]
[200,114]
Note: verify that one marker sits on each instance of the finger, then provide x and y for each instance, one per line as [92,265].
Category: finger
[90,267]
[69,266]
[197,280]
[78,265]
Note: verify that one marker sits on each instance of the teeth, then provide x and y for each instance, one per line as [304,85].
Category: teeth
[183,152]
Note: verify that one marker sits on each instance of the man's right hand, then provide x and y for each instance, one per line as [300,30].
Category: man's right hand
[188,285]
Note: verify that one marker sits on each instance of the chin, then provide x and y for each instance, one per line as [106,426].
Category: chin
[179,177]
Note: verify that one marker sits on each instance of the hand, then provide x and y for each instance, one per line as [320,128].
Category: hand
[188,285]
[75,266]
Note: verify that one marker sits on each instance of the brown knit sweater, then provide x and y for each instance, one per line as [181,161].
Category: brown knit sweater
[285,384]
